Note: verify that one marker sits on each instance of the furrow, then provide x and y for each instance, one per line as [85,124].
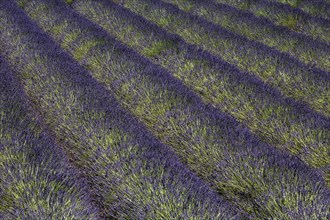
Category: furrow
[250,174]
[134,175]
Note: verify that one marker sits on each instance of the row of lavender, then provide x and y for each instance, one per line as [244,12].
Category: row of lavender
[259,29]
[318,8]
[130,174]
[36,180]
[293,78]
[281,122]
[291,17]
[212,144]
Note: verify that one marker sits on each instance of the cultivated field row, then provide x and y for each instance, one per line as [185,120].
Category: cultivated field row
[159,111]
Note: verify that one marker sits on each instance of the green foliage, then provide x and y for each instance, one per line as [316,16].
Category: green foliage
[245,5]
[80,52]
[69,1]
[293,3]
[158,47]
[289,21]
[187,5]
[22,3]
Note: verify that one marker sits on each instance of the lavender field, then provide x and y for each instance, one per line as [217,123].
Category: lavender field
[165,109]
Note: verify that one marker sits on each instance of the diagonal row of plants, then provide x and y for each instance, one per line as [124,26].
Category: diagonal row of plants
[261,30]
[290,76]
[284,15]
[280,70]
[293,78]
[247,172]
[33,185]
[284,124]
[318,8]
[131,173]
